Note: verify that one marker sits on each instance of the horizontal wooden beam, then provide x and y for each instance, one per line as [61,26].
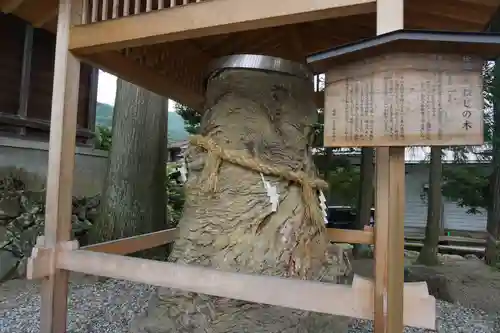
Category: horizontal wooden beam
[207,18]
[39,124]
[47,17]
[135,243]
[10,6]
[451,239]
[454,248]
[314,296]
[154,239]
[131,71]
[350,236]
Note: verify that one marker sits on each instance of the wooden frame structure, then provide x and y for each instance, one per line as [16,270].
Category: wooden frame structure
[133,40]
[25,101]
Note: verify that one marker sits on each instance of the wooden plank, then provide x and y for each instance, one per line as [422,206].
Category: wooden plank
[350,236]
[395,256]
[39,124]
[307,295]
[457,248]
[129,70]
[412,289]
[389,210]
[54,289]
[446,110]
[207,18]
[381,237]
[136,243]
[452,239]
[11,5]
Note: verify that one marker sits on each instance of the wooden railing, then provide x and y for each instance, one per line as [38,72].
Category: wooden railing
[106,259]
[159,238]
[16,123]
[103,10]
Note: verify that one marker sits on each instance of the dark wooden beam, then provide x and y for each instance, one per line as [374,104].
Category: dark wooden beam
[494,24]
[11,5]
[38,124]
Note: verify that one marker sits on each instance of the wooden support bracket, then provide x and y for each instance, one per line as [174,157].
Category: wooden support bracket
[135,243]
[351,236]
[42,263]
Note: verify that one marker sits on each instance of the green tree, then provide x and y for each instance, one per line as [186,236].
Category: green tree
[103,138]
[479,187]
[133,199]
[428,253]
[492,255]
[191,117]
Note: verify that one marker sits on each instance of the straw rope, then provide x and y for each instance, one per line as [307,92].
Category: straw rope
[216,154]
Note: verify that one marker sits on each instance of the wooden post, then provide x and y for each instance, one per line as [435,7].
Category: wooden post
[92,107]
[54,290]
[389,209]
[24,90]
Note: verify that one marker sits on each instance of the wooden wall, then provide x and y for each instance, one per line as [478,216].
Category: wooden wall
[35,124]
[11,58]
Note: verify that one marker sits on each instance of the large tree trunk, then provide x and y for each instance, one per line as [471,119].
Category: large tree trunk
[492,255]
[133,200]
[269,116]
[365,196]
[428,253]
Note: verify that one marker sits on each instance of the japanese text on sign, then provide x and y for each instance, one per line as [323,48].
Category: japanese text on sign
[421,104]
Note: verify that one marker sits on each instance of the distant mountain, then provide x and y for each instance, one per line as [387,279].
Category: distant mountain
[104,115]
[176,125]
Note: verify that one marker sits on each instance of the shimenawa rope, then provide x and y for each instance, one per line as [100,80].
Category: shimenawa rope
[216,154]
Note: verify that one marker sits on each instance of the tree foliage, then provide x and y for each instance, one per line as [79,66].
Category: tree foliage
[344,184]
[103,138]
[175,195]
[191,117]
[469,185]
[332,164]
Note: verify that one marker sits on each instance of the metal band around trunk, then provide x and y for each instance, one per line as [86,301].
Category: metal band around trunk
[259,62]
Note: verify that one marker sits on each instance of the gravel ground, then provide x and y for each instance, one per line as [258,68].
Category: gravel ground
[95,307]
[108,307]
[451,318]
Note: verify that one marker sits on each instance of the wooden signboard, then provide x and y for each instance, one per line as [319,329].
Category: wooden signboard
[405,100]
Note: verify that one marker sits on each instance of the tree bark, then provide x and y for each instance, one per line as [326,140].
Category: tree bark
[268,116]
[133,200]
[365,197]
[428,253]
[492,254]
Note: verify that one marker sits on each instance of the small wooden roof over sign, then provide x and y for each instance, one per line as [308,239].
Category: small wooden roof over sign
[406,88]
[483,44]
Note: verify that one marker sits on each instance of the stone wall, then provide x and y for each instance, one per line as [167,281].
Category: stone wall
[22,216]
[22,204]
[29,159]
